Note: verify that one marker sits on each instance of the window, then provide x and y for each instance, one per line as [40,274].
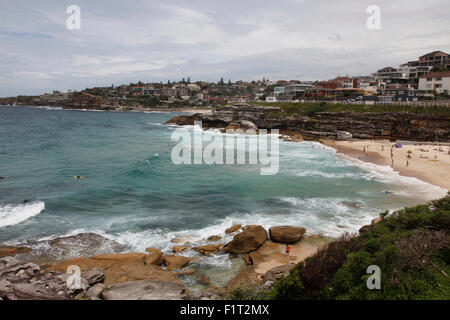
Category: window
[439,79]
[429,79]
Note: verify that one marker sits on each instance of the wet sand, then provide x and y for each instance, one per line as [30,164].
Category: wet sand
[430,163]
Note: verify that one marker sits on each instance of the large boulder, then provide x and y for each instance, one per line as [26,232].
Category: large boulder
[174,262]
[208,249]
[144,290]
[286,234]
[233,228]
[247,241]
[248,125]
[176,249]
[182,120]
[214,238]
[93,276]
[154,256]
[95,291]
[343,135]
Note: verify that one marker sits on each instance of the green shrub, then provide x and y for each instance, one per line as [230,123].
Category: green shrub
[411,247]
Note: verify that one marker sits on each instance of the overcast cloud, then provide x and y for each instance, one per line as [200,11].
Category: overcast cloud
[126,41]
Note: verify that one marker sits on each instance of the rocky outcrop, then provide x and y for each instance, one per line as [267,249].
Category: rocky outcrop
[278,273]
[334,125]
[176,249]
[144,290]
[233,228]
[208,249]
[93,276]
[154,256]
[121,257]
[174,262]
[46,252]
[11,250]
[184,271]
[214,238]
[247,241]
[134,272]
[119,268]
[25,281]
[286,234]
[95,292]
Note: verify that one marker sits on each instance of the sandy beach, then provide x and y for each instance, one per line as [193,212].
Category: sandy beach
[427,162]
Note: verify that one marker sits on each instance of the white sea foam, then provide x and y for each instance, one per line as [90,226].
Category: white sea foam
[13,214]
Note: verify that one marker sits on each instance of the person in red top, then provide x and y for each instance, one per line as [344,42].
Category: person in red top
[288,248]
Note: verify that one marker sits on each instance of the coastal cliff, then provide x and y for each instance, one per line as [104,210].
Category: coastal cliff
[334,125]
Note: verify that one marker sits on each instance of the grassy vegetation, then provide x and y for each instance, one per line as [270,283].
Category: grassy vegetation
[311,108]
[411,247]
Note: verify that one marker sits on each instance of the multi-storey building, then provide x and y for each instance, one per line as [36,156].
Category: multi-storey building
[437,81]
[435,59]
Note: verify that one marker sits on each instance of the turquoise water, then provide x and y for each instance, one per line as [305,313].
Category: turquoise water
[133,193]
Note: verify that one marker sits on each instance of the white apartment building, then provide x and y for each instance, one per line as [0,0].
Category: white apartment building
[435,81]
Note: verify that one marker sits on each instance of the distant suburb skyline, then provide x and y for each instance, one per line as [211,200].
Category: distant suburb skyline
[151,41]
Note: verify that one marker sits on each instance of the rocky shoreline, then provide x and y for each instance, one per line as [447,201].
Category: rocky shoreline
[326,125]
[28,272]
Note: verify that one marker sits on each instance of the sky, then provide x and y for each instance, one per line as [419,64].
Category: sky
[126,41]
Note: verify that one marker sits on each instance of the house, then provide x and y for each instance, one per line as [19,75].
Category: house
[437,81]
[435,59]
[288,92]
[168,92]
[387,73]
[401,95]
[412,70]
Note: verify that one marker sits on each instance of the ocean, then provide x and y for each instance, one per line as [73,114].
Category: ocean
[134,194]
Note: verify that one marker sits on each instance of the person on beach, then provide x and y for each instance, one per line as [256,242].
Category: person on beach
[288,248]
[392,165]
[407,163]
